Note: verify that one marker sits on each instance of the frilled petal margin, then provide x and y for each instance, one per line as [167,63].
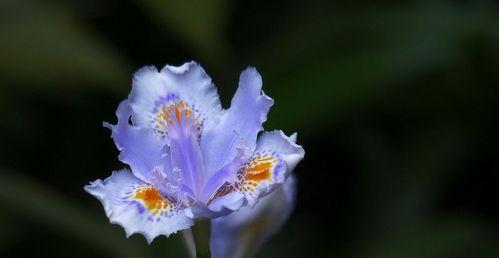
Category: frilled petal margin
[189,83]
[139,207]
[243,232]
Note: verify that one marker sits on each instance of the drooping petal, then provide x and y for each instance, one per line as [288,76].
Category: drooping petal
[243,232]
[239,125]
[274,158]
[189,83]
[286,147]
[139,207]
[139,147]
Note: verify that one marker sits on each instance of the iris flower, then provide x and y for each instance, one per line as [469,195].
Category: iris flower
[188,157]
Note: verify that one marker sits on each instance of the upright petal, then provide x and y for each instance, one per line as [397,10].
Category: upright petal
[272,161]
[139,207]
[243,232]
[239,125]
[140,149]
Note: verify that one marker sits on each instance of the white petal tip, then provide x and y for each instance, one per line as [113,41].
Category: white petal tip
[180,69]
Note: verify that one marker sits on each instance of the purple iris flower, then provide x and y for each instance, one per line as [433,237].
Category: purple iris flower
[189,158]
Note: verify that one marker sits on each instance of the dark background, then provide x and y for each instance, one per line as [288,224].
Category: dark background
[396,105]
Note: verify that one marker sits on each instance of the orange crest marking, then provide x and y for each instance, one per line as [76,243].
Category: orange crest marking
[175,113]
[176,109]
[259,168]
[151,198]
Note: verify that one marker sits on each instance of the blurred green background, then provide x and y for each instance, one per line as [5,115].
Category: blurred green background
[396,105]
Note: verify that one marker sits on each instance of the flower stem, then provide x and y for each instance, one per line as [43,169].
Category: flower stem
[201,233]
[188,240]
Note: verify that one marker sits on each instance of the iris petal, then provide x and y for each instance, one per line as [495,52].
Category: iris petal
[139,207]
[190,83]
[274,158]
[177,103]
[185,152]
[277,142]
[227,174]
[139,148]
[239,125]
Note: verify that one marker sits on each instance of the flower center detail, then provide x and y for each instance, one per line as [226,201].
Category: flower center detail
[174,113]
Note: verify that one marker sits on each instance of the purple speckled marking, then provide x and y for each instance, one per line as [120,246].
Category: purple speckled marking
[140,207]
[171,97]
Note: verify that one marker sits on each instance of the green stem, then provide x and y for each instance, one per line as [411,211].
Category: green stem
[201,233]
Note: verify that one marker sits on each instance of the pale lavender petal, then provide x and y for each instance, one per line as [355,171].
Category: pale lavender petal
[151,89]
[177,103]
[274,158]
[239,125]
[286,147]
[227,174]
[282,152]
[185,151]
[139,148]
[201,211]
[243,232]
[231,201]
[139,207]
[208,204]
